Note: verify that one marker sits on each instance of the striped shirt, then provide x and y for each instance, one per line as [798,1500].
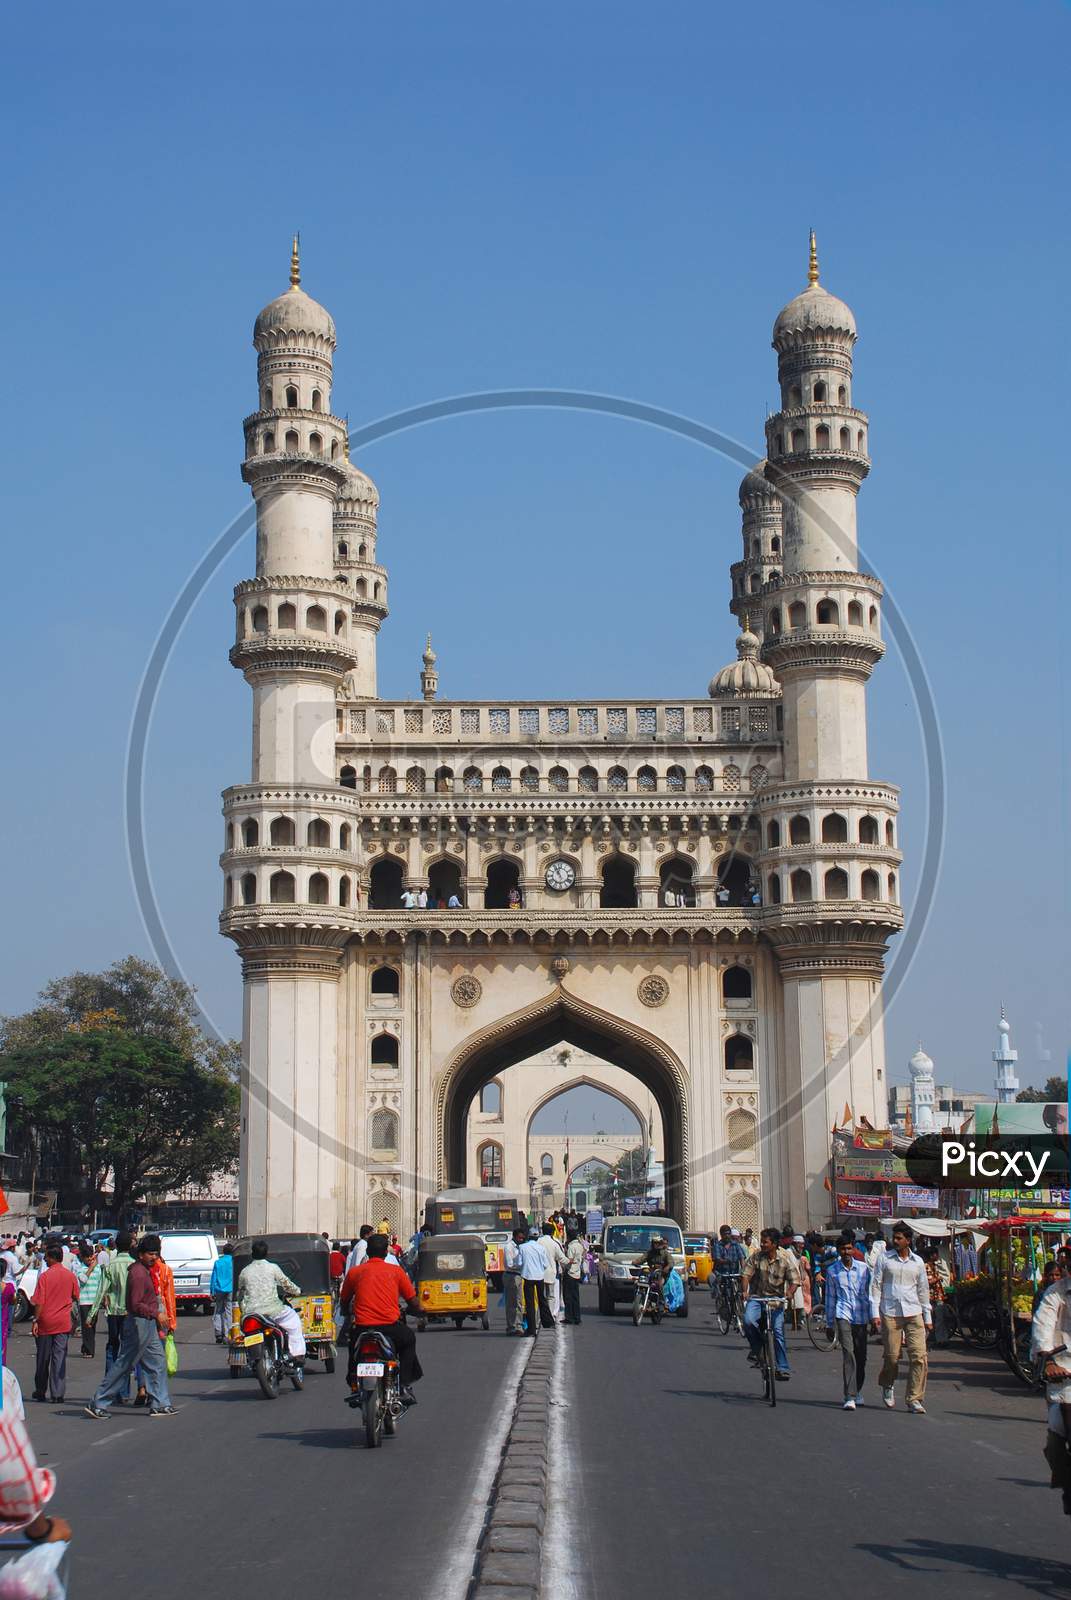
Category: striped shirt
[847,1292]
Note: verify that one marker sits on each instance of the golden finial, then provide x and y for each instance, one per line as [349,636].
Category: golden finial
[812,266]
[295,262]
[747,622]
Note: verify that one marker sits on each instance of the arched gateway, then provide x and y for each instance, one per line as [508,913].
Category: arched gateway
[423,891]
[564,1018]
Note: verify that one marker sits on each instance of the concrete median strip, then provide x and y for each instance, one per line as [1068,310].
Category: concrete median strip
[509,1557]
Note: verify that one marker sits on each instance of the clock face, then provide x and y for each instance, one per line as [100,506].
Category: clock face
[560,875]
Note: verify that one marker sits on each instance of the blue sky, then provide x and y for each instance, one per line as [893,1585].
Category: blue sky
[612,198]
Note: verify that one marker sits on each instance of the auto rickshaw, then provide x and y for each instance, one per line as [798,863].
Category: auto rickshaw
[305,1258]
[451,1276]
[697,1258]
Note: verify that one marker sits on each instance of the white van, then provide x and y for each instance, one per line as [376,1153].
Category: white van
[191,1257]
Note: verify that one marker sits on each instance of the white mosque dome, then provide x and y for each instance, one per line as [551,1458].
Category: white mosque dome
[294,313]
[747,674]
[814,311]
[920,1065]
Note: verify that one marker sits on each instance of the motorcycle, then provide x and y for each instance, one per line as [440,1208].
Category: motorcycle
[648,1300]
[375,1381]
[264,1347]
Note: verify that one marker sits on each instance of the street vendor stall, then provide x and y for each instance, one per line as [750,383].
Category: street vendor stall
[970,1303]
[1018,1248]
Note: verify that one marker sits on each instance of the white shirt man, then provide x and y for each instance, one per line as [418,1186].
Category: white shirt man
[422,900]
[409,900]
[555,1257]
[900,1311]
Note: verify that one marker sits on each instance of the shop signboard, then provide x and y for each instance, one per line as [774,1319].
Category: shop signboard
[910,1197]
[864,1205]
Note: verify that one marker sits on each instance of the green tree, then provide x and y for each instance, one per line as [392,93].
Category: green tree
[1054,1090]
[631,1175]
[138,1108]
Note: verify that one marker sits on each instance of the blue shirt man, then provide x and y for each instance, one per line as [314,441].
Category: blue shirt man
[848,1311]
[728,1252]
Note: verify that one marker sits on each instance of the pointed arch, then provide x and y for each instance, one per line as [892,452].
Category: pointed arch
[524,1033]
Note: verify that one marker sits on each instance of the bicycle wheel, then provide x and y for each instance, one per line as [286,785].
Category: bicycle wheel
[821,1337]
[771,1376]
[738,1310]
[724,1309]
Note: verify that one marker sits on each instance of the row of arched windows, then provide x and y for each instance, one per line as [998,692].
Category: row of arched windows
[282,890]
[826,615]
[823,440]
[286,619]
[291,399]
[819,394]
[500,780]
[835,886]
[292,444]
[282,831]
[834,830]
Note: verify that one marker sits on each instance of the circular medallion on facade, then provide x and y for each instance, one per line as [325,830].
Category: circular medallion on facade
[560,966]
[466,991]
[653,991]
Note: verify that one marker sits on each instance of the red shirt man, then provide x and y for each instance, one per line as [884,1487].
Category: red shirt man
[336,1264]
[55,1293]
[375,1288]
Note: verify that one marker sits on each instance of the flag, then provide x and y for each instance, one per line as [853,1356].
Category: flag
[4,1207]
[565,1159]
[909,1126]
[827,1186]
[847,1114]
[967,1124]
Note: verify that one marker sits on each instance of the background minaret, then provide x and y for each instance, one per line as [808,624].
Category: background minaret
[923,1093]
[829,856]
[1007,1085]
[429,677]
[355,530]
[288,831]
[762,534]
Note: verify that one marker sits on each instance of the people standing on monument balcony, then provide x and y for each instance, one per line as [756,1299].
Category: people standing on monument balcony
[453,904]
[422,900]
[409,900]
[900,1310]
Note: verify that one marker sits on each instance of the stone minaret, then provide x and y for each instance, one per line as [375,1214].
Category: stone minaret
[298,637]
[1007,1084]
[429,677]
[828,830]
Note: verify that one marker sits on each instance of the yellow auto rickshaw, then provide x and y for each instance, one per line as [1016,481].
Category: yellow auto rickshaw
[451,1279]
[698,1259]
[305,1258]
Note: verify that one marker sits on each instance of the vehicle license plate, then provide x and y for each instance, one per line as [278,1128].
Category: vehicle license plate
[253,1338]
[370,1369]
[185,1283]
[451,1288]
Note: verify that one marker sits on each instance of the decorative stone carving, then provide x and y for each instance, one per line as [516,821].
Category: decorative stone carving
[653,991]
[466,991]
[560,967]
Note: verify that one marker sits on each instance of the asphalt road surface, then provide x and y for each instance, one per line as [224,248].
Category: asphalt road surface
[670,1475]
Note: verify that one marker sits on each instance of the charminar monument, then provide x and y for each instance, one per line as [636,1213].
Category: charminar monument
[697,892]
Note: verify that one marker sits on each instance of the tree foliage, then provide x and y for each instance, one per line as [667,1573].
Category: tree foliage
[112,1074]
[1053,1090]
[631,1174]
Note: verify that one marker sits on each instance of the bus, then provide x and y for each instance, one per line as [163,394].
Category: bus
[473,1211]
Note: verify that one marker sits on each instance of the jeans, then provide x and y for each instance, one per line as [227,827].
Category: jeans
[571,1296]
[852,1339]
[50,1375]
[141,1346]
[752,1312]
[221,1315]
[89,1332]
[511,1283]
[535,1294]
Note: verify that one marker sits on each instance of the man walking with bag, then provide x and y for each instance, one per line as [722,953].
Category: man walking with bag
[145,1326]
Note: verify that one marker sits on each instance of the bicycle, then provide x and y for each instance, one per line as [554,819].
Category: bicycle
[767,1351]
[728,1304]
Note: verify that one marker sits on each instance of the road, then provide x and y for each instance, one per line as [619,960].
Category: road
[668,1472]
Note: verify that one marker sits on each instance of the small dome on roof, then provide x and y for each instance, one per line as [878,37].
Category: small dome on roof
[920,1065]
[747,674]
[357,487]
[756,486]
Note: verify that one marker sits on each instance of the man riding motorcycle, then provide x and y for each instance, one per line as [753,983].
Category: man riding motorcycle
[370,1293]
[658,1260]
[260,1291]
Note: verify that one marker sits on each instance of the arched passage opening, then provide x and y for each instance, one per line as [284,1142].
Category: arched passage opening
[503,885]
[676,886]
[734,880]
[444,880]
[618,892]
[564,1019]
[385,885]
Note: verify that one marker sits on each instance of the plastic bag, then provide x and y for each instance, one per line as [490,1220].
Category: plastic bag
[673,1291]
[171,1357]
[36,1575]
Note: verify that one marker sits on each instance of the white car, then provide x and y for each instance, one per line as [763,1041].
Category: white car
[191,1257]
